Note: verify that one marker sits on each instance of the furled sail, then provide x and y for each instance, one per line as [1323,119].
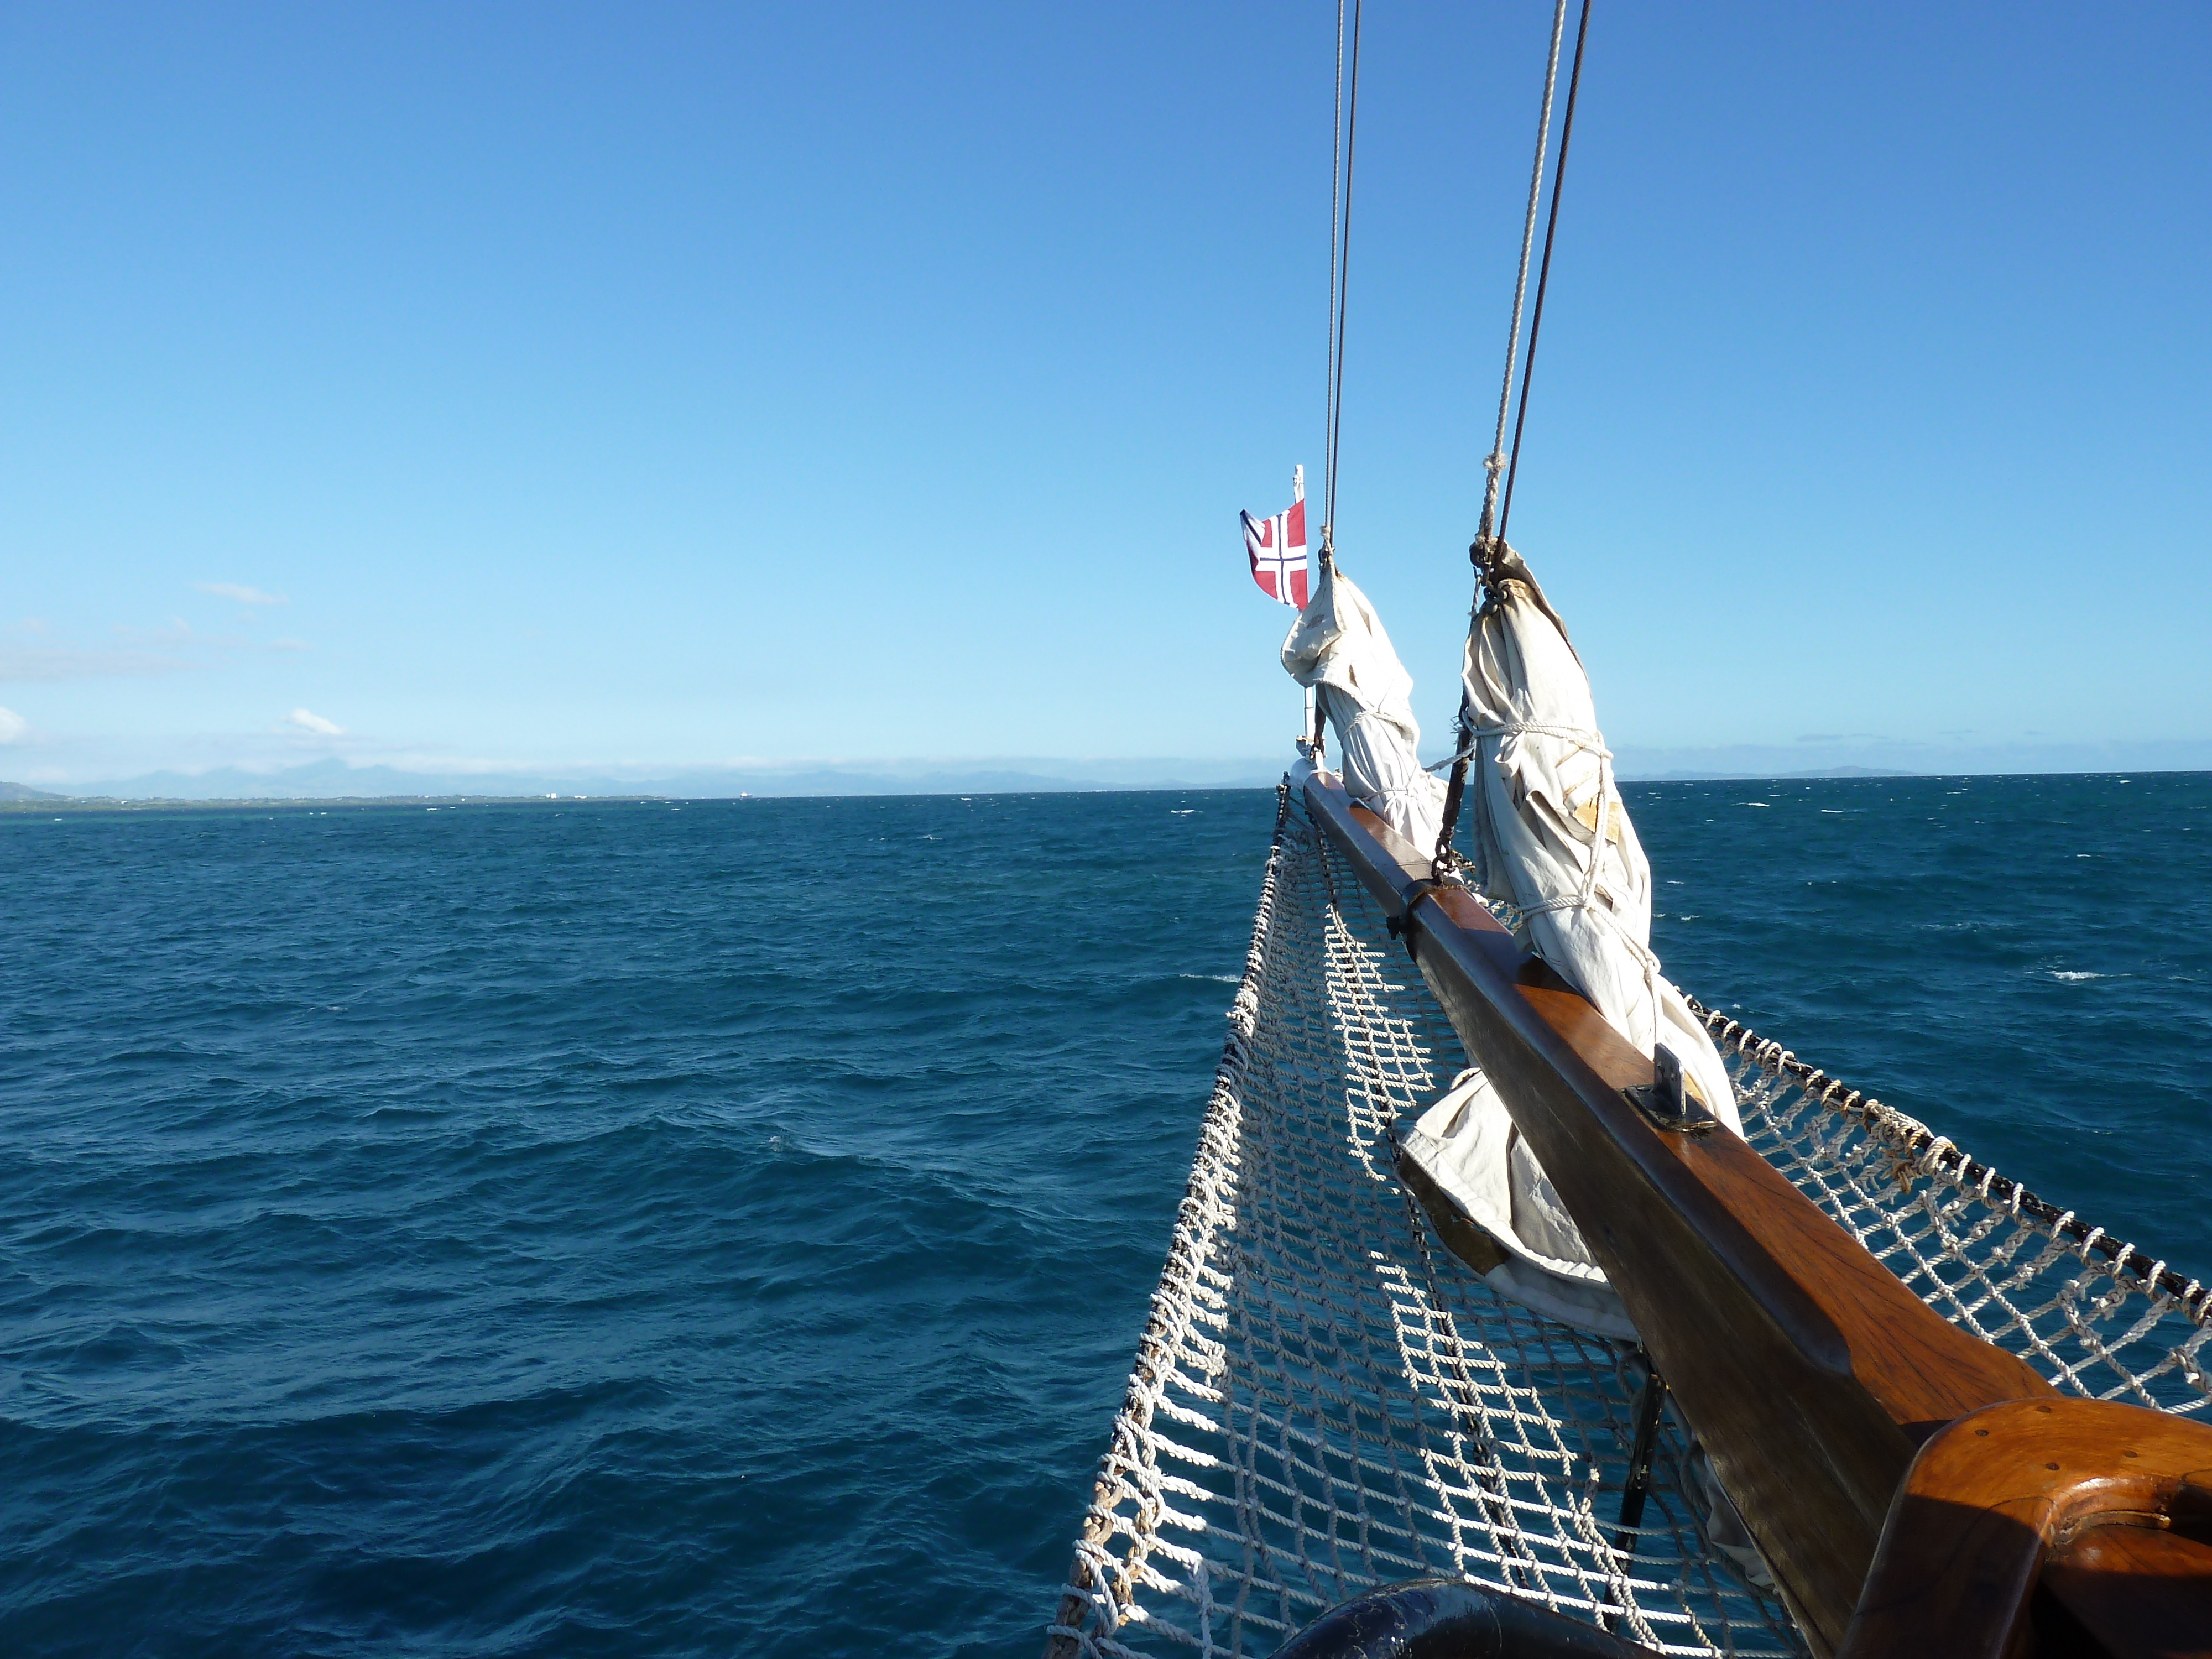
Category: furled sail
[1550,837]
[1338,647]
[1326,1398]
[1553,844]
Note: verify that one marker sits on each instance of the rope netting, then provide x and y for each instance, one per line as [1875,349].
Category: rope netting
[2093,1315]
[1326,1399]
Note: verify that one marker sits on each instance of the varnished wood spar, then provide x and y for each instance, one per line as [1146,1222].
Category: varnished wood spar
[1809,1372]
[2108,1506]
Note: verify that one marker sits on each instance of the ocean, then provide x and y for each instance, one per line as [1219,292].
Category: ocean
[651,1228]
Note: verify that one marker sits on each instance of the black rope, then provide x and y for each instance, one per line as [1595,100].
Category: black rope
[1342,237]
[1636,1486]
[1488,547]
[1544,271]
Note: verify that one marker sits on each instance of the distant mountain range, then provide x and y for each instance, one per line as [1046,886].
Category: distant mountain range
[1852,758]
[333,780]
[1694,776]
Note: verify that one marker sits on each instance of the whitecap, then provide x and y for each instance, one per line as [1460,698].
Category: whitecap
[2060,973]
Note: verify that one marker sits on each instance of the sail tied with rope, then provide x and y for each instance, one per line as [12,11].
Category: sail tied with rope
[1326,1398]
[1551,848]
[1339,650]
[1384,1348]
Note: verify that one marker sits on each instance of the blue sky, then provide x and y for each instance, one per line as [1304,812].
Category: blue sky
[588,385]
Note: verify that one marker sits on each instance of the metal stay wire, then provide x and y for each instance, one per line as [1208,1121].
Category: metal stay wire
[1544,272]
[1339,276]
[1495,462]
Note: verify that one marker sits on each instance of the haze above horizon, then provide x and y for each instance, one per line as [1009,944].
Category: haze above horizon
[506,391]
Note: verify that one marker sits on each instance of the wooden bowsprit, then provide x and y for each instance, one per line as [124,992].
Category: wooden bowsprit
[1815,1379]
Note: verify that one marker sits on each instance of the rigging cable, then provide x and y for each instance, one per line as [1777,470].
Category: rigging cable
[1316,716]
[1335,207]
[1494,463]
[1339,281]
[1487,543]
[1544,271]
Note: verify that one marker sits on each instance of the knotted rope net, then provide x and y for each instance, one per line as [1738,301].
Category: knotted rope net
[1326,1399]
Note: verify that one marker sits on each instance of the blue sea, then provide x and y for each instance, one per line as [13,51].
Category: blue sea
[716,1227]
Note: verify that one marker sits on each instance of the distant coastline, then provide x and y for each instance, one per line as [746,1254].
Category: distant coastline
[331,784]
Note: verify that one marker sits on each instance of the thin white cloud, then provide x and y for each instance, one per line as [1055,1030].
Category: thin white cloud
[242,593]
[305,721]
[18,663]
[289,645]
[13,728]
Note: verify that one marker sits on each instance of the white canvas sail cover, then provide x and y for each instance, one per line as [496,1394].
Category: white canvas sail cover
[1467,1143]
[1551,839]
[1338,647]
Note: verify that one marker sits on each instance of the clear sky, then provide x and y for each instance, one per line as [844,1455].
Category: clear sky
[444,385]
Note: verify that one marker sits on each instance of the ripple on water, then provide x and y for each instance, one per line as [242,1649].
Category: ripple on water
[589,1229]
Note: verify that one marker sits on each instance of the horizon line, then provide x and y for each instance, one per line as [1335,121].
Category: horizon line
[34,799]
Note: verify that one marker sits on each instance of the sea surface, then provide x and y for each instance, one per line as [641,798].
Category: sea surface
[709,1228]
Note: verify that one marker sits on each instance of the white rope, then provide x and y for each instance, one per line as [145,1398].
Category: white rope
[1585,895]
[1580,736]
[1324,1397]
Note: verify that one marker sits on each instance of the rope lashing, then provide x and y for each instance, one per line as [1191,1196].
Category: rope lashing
[1580,735]
[1402,925]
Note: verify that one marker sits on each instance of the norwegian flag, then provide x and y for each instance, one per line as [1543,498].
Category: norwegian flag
[1277,548]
